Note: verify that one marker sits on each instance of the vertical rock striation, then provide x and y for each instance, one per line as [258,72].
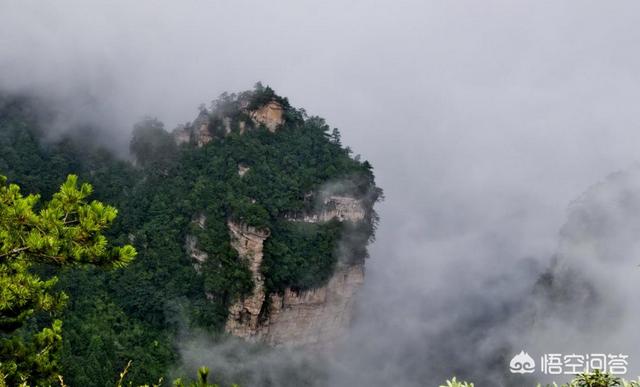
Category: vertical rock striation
[314,317]
[244,314]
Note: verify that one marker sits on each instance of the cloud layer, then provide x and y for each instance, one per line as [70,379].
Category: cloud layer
[483,121]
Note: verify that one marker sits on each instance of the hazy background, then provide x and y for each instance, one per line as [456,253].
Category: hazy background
[483,121]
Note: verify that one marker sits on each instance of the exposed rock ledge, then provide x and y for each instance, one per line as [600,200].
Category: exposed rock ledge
[199,132]
[316,317]
[342,208]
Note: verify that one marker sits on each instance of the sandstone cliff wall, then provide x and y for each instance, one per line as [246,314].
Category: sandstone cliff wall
[243,320]
[316,317]
[271,115]
[199,133]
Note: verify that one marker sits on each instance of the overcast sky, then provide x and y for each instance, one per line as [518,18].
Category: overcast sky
[483,119]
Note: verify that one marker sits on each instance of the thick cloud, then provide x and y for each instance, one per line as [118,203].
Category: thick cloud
[483,121]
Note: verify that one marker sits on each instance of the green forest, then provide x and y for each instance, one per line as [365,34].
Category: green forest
[106,309]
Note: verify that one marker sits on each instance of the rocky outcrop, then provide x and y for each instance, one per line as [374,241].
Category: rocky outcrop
[194,252]
[270,115]
[182,135]
[243,169]
[316,317]
[198,132]
[342,208]
[244,314]
[191,244]
[201,130]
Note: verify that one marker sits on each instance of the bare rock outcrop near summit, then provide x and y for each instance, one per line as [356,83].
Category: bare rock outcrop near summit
[270,115]
[215,124]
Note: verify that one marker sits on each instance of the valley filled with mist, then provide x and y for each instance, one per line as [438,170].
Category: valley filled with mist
[334,194]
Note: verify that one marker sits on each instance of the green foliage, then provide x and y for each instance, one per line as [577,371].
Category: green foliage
[300,255]
[110,334]
[152,146]
[66,231]
[595,379]
[202,381]
[589,379]
[173,193]
[455,383]
[262,95]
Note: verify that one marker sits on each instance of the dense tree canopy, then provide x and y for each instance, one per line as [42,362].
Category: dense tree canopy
[135,314]
[67,230]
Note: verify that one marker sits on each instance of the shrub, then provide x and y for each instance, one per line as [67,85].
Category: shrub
[587,379]
[454,383]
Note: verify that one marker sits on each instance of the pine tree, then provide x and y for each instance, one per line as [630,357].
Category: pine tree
[66,231]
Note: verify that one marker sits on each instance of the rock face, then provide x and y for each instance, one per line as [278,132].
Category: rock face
[243,169]
[271,115]
[342,208]
[316,317]
[243,320]
[182,135]
[200,131]
[191,244]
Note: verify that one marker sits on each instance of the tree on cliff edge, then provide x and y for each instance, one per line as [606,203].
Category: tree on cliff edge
[66,231]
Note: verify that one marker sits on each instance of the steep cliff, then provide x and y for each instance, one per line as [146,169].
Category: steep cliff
[313,317]
[316,317]
[304,294]
[220,121]
[253,219]
[244,314]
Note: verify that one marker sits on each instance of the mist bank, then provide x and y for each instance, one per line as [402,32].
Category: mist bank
[485,121]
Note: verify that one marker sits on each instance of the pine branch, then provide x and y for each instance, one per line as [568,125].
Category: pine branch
[14,252]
